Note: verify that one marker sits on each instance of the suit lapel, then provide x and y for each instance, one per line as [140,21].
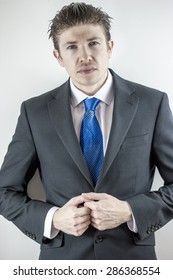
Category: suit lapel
[125,107]
[60,114]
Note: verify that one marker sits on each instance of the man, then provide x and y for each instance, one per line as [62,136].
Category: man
[96,141]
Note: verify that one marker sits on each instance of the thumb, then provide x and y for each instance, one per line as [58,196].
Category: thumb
[94,196]
[75,201]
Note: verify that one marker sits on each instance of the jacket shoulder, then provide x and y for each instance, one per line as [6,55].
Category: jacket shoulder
[45,98]
[138,89]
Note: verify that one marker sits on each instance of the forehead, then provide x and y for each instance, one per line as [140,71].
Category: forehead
[80,32]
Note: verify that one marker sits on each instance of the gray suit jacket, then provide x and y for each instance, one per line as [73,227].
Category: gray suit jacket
[141,138]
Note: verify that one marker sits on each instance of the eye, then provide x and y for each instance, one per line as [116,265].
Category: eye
[71,47]
[93,43]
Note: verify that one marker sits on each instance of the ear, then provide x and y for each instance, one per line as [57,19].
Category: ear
[110,47]
[58,57]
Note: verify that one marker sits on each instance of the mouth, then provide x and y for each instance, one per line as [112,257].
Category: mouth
[86,70]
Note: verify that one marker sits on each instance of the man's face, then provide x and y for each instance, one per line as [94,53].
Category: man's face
[85,53]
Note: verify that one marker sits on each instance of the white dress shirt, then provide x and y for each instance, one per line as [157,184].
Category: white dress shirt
[104,113]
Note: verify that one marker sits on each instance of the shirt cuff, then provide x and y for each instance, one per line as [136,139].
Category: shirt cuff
[49,231]
[132,225]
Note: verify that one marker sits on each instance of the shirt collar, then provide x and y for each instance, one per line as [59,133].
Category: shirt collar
[104,94]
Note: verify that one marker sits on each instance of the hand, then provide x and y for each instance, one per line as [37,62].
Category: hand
[72,218]
[107,212]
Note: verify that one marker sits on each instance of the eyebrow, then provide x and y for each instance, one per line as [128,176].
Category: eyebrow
[94,38]
[88,40]
[70,43]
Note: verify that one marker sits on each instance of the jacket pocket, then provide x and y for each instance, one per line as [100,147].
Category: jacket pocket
[135,141]
[148,241]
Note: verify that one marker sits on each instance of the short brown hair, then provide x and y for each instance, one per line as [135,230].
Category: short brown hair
[76,14]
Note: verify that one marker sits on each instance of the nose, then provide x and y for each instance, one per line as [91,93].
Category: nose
[84,55]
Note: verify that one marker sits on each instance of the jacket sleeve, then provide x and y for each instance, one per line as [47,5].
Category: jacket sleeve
[19,166]
[154,209]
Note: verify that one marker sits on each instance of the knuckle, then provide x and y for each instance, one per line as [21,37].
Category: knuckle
[77,232]
[74,215]
[100,227]
[95,214]
[95,207]
[73,221]
[87,210]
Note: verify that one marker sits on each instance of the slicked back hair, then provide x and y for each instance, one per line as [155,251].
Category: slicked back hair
[78,14]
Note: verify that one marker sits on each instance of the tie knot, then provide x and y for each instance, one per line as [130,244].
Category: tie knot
[91,103]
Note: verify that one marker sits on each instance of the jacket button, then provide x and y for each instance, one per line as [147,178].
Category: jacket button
[99,239]
[34,237]
[153,228]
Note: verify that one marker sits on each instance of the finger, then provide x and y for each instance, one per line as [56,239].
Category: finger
[83,211]
[80,229]
[94,196]
[82,220]
[91,205]
[96,226]
[75,201]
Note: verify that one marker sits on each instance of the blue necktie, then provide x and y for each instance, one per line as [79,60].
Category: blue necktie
[91,139]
